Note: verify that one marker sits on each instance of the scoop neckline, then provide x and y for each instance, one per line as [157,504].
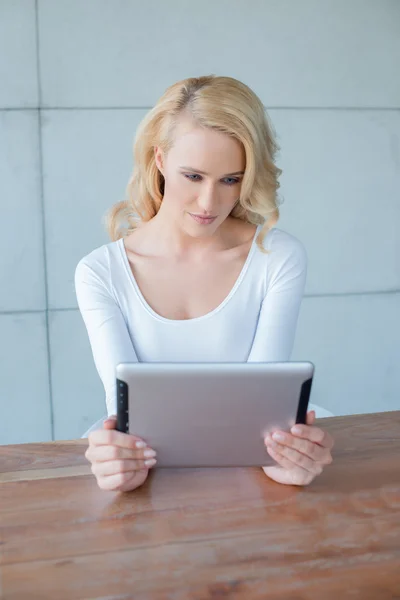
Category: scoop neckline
[153,313]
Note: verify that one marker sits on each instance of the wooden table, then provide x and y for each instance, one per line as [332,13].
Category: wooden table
[205,534]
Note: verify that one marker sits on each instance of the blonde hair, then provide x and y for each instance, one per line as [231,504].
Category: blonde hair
[220,103]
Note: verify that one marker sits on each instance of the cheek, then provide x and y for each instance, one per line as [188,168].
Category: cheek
[180,189]
[230,196]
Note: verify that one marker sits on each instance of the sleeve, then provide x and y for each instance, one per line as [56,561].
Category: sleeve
[277,323]
[105,324]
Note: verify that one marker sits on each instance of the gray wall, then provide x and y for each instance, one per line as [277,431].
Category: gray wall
[76,77]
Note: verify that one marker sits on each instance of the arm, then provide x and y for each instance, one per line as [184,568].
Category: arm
[108,333]
[302,453]
[285,283]
[119,461]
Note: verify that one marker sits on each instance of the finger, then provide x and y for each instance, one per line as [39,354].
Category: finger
[105,437]
[314,434]
[297,458]
[105,453]
[312,450]
[113,467]
[110,423]
[120,481]
[310,419]
[283,461]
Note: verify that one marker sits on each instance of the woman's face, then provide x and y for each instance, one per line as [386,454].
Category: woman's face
[203,172]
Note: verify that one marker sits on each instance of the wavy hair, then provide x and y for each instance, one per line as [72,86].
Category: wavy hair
[220,103]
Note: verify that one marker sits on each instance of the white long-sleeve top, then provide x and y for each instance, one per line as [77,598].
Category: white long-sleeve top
[255,322]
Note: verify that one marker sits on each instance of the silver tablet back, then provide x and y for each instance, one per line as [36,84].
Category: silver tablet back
[211,414]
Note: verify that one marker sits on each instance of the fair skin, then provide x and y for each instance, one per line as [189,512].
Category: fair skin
[184,270]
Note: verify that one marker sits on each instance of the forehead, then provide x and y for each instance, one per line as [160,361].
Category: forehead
[202,143]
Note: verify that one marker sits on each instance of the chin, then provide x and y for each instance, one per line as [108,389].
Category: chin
[196,230]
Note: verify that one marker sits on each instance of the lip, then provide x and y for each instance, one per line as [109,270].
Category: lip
[202,220]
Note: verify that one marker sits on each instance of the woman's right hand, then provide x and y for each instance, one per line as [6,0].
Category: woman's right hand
[120,461]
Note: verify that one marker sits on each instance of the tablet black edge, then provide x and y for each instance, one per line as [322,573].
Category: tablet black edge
[122,406]
[305,393]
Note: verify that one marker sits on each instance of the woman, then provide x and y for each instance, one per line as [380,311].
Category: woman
[196,270]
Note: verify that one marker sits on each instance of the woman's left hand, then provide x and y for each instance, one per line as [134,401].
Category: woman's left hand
[301,455]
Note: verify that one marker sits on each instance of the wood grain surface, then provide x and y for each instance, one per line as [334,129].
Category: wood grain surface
[205,533]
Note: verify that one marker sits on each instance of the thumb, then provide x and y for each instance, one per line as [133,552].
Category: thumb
[310,417]
[110,422]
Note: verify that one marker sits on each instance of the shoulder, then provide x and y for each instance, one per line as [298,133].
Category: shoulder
[284,246]
[286,256]
[281,246]
[95,266]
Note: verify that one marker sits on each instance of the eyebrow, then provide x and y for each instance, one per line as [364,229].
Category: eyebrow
[204,173]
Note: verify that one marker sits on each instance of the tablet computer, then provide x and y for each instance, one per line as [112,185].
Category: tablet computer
[211,414]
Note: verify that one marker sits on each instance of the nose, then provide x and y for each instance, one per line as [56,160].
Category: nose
[207,200]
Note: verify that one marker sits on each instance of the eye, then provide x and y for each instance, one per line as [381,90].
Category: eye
[190,175]
[231,180]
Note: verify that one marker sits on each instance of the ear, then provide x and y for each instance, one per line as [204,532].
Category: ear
[159,158]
